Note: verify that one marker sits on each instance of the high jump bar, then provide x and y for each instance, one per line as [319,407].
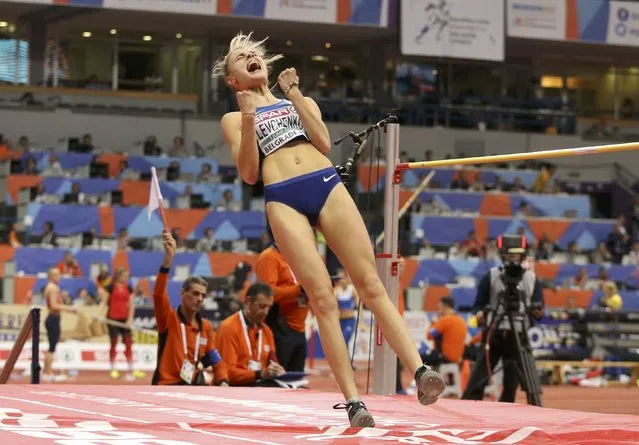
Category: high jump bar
[546,154]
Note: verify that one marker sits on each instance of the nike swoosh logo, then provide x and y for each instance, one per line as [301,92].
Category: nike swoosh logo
[329,178]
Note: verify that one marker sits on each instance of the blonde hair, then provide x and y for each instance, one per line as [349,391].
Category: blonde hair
[612,287]
[245,42]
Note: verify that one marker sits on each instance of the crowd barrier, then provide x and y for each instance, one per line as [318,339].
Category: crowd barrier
[108,221]
[444,230]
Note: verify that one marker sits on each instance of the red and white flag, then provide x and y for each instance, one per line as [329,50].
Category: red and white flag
[155,195]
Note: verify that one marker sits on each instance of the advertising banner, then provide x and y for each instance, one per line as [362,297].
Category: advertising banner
[319,11]
[623,24]
[354,12]
[587,21]
[536,19]
[202,7]
[41,2]
[94,3]
[465,29]
[82,356]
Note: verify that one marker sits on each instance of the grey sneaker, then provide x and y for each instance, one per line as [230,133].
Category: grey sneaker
[357,414]
[430,385]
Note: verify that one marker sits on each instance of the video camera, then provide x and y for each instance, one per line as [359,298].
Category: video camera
[512,249]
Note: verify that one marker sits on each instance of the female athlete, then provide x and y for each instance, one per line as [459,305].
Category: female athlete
[286,142]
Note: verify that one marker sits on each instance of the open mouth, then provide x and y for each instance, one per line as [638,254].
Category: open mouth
[253,66]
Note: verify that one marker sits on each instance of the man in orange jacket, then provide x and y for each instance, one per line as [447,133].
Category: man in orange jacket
[186,340]
[247,343]
[287,318]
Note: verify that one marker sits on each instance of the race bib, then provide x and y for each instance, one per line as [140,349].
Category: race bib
[186,373]
[254,366]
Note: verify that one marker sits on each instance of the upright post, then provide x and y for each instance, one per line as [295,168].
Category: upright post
[35,346]
[384,358]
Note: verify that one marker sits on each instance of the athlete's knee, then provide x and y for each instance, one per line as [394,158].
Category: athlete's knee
[370,287]
[324,301]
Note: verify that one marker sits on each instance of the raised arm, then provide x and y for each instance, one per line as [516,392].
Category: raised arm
[239,134]
[307,109]
[161,303]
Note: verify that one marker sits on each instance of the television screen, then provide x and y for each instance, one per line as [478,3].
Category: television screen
[415,79]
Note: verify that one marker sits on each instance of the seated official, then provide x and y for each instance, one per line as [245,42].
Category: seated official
[247,343]
[448,333]
[186,340]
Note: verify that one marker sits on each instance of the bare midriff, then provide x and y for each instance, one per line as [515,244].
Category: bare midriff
[294,159]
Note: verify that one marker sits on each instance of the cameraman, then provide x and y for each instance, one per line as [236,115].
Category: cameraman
[526,299]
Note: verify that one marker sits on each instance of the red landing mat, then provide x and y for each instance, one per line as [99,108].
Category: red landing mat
[136,415]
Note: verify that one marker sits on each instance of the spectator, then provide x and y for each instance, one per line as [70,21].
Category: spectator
[542,183]
[431,207]
[207,243]
[460,181]
[76,196]
[49,238]
[601,255]
[180,243]
[246,342]
[54,168]
[491,251]
[151,147]
[140,297]
[426,252]
[13,238]
[104,277]
[545,248]
[472,246]
[518,186]
[122,241]
[498,186]
[617,244]
[455,252]
[86,146]
[611,299]
[226,203]
[206,175]
[173,171]
[184,200]
[69,266]
[178,150]
[524,210]
[581,279]
[23,144]
[31,167]
[632,258]
[573,251]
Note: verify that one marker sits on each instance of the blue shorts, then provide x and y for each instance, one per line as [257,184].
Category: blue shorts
[307,193]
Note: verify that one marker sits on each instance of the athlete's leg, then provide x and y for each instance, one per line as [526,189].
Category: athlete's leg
[295,239]
[346,234]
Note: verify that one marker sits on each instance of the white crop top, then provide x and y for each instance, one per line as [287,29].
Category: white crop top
[276,125]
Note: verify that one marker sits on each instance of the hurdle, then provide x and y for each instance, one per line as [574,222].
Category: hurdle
[384,368]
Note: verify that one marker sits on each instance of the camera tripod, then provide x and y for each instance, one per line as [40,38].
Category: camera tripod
[524,362]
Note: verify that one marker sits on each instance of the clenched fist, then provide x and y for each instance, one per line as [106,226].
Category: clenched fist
[288,79]
[246,101]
